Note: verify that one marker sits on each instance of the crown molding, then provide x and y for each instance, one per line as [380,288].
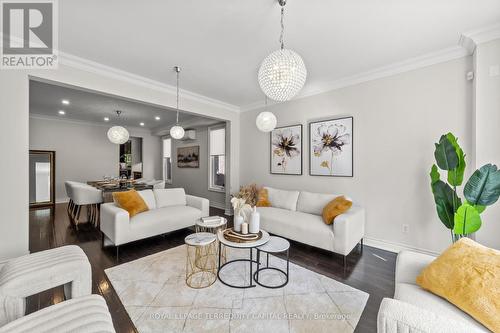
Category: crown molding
[115,73]
[426,60]
[479,36]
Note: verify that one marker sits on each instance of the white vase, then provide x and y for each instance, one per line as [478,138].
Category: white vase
[254,226]
[238,221]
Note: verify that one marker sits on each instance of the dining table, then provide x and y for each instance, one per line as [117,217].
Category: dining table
[108,187]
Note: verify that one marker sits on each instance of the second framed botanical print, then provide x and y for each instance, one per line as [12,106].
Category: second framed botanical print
[331,148]
[286,150]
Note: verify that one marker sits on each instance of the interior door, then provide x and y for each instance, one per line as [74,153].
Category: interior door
[41,178]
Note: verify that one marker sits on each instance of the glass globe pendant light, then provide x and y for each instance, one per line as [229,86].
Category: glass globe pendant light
[177,132]
[266,121]
[283,73]
[118,134]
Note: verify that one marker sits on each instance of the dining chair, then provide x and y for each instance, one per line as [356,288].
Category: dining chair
[84,195]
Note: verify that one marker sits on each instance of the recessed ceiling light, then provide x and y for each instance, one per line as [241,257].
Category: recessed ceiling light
[106,118]
[157,118]
[62,112]
[142,124]
[65,102]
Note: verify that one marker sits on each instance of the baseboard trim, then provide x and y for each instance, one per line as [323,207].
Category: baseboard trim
[63,200]
[395,247]
[218,205]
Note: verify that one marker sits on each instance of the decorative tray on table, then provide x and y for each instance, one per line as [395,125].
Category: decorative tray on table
[237,237]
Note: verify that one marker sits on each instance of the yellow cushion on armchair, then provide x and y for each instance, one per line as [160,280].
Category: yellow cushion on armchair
[467,274]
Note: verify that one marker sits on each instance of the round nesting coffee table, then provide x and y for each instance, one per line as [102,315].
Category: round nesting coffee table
[211,227]
[274,245]
[247,245]
[201,260]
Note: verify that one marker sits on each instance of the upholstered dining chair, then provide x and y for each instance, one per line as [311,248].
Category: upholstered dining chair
[88,196]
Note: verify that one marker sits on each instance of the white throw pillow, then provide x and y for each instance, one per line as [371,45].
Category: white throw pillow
[166,197]
[149,198]
[283,199]
[313,203]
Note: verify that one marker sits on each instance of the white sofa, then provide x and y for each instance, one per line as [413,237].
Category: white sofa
[169,210]
[297,215]
[414,309]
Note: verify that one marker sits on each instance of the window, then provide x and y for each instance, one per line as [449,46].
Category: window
[167,160]
[217,158]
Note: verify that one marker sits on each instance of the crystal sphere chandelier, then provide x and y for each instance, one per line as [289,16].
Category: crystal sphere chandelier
[177,132]
[283,73]
[118,134]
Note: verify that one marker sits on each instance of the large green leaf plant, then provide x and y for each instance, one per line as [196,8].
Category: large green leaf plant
[481,190]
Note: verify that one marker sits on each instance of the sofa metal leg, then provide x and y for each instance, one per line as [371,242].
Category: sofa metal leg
[344,261]
[117,254]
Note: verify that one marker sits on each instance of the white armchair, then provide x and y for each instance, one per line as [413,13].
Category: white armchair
[33,273]
[415,310]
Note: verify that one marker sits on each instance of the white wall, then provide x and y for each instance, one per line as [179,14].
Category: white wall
[195,180]
[14,202]
[83,151]
[14,132]
[396,122]
[487,133]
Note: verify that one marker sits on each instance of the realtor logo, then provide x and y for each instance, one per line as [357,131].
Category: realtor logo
[29,34]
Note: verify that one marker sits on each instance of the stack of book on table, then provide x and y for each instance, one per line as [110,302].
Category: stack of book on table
[211,220]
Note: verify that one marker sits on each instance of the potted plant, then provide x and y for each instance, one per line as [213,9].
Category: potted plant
[482,189]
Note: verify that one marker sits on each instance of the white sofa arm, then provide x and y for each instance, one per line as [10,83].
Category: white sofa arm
[115,222]
[348,230]
[199,203]
[409,265]
[395,316]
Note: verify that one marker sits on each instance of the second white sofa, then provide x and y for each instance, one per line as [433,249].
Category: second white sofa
[297,216]
[169,210]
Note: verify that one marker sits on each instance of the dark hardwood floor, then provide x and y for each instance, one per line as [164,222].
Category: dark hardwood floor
[51,228]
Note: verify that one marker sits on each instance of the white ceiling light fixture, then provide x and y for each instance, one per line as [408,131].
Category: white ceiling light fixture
[118,134]
[62,112]
[142,124]
[157,118]
[283,73]
[266,121]
[177,132]
[65,102]
[106,118]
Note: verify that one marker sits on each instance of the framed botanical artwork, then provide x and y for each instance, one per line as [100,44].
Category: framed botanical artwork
[286,150]
[188,157]
[331,147]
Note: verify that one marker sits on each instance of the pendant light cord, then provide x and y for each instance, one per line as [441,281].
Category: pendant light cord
[282,35]
[177,121]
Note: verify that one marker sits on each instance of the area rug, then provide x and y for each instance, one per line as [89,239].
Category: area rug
[154,293]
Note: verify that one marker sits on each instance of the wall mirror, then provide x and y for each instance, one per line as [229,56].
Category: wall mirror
[131,158]
[42,177]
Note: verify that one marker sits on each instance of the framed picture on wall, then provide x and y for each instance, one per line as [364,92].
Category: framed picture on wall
[188,157]
[286,150]
[331,147]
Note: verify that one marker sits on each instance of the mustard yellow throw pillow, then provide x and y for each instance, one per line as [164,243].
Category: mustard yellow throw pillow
[263,198]
[467,274]
[334,208]
[131,201]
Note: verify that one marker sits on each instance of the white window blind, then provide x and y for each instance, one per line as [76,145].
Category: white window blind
[218,142]
[167,148]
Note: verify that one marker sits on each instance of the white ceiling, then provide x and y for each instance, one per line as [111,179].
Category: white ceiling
[221,43]
[46,100]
